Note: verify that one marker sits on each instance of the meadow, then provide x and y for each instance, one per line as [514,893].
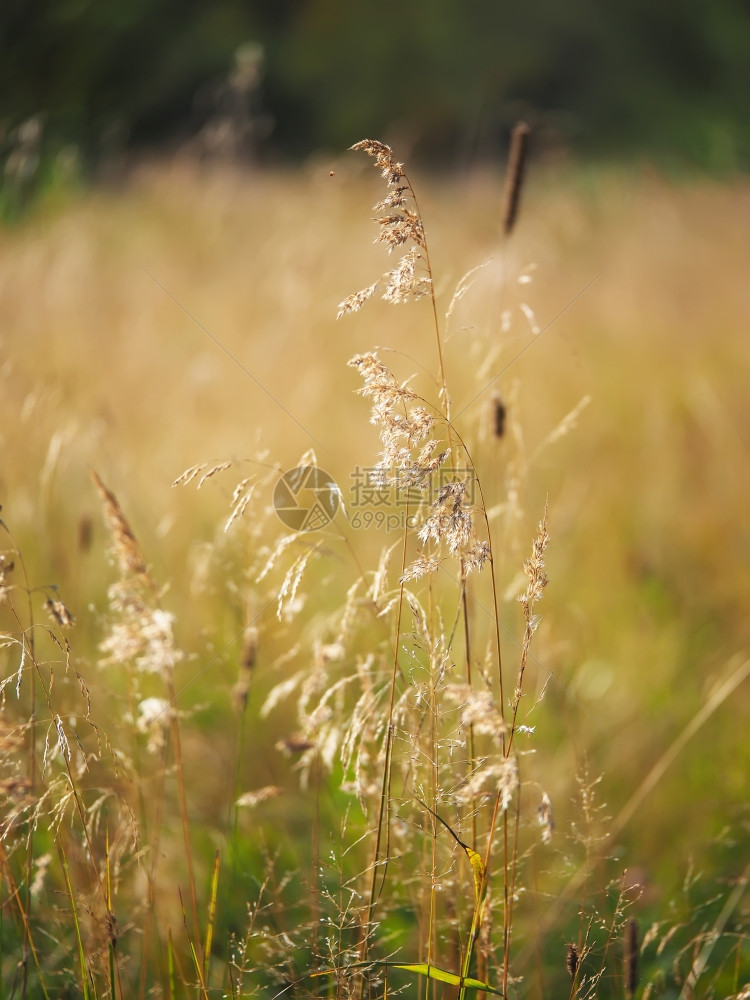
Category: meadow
[242,761]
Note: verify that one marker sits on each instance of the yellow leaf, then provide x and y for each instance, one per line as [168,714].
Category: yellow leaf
[478,867]
[474,859]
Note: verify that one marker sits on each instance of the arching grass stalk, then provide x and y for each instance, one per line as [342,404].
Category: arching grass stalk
[408,421]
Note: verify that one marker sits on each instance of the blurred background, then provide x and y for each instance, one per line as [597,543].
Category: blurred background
[83,84]
[179,222]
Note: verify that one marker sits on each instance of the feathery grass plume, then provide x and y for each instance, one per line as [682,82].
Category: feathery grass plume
[400,226]
[404,423]
[153,719]
[258,795]
[450,521]
[631,957]
[140,632]
[519,140]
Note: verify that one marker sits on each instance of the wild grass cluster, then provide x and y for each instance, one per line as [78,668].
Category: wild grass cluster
[413,754]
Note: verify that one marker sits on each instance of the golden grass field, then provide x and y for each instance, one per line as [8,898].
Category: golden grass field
[188,315]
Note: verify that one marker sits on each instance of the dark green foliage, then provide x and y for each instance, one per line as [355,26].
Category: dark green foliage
[666,81]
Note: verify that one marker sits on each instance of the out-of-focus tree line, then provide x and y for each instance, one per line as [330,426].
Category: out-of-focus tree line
[666,79]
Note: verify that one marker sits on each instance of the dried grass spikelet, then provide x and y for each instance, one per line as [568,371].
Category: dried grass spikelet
[509,780]
[405,424]
[399,226]
[537,580]
[498,416]
[379,585]
[450,517]
[125,547]
[519,140]
[404,282]
[422,566]
[478,710]
[450,522]
[140,632]
[534,566]
[243,491]
[59,613]
[258,795]
[203,470]
[241,497]
[153,719]
[142,635]
[545,818]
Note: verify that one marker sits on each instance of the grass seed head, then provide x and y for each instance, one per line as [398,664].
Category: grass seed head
[124,544]
[399,226]
[59,613]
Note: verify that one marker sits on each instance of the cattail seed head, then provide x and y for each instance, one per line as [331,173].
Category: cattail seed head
[519,140]
[85,532]
[571,960]
[631,957]
[499,414]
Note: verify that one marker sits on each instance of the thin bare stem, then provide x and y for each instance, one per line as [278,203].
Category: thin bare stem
[175,730]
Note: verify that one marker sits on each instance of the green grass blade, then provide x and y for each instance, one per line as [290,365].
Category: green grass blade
[463,982]
[170,968]
[76,924]
[211,918]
